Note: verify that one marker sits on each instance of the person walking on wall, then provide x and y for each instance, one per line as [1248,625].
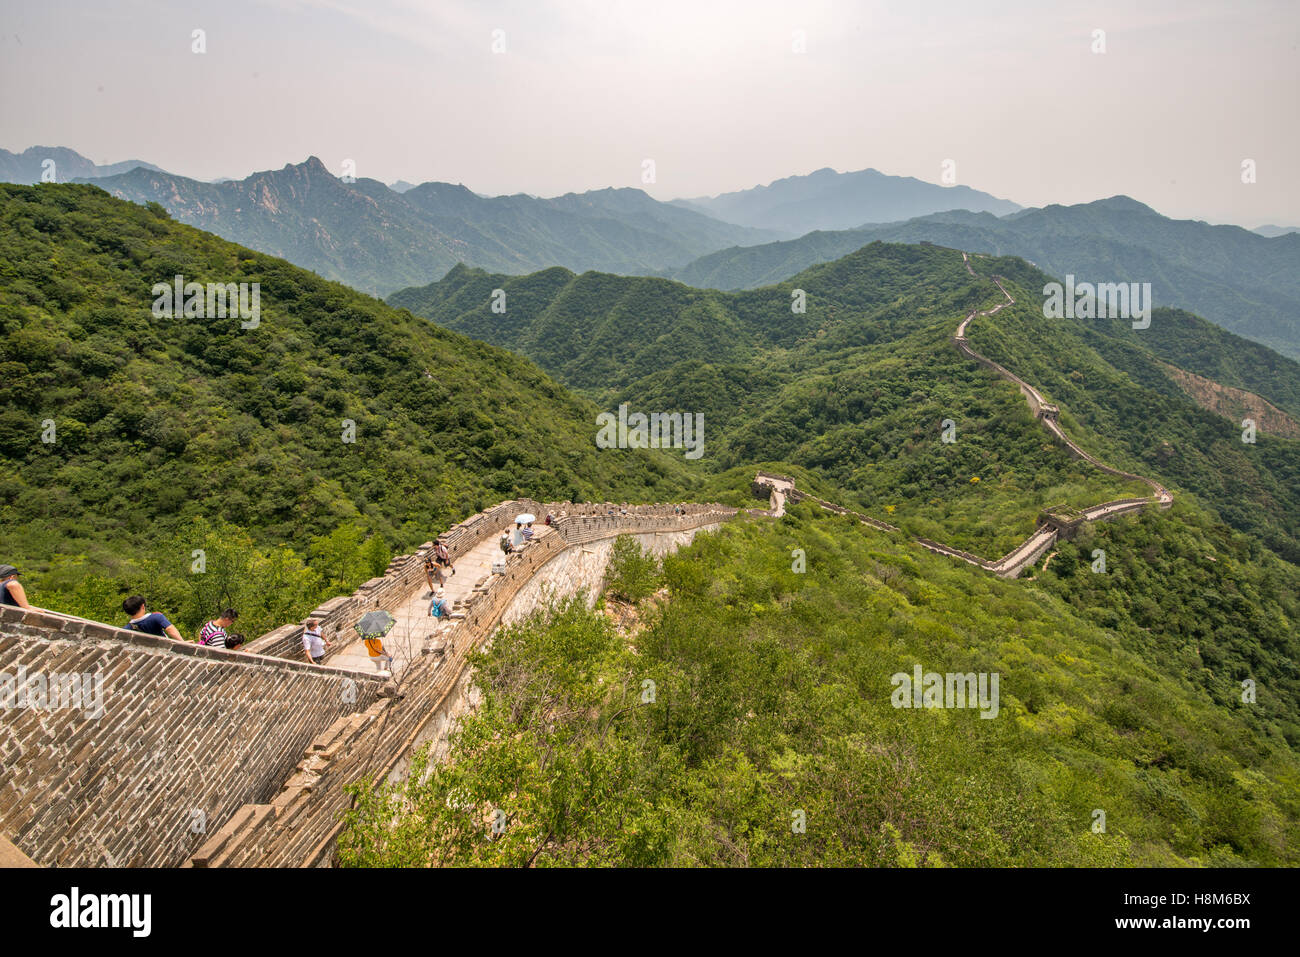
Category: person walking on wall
[313,645]
[442,558]
[375,648]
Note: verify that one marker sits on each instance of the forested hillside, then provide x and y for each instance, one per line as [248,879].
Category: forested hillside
[1122,403]
[858,386]
[126,438]
[772,737]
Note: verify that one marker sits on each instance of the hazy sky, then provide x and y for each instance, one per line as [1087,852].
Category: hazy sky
[713,92]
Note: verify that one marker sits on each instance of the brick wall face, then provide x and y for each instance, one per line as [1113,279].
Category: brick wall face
[186,736]
[211,757]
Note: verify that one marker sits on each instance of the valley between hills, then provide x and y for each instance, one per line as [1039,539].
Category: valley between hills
[1121,688]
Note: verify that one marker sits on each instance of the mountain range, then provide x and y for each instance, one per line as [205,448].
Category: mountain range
[377,240]
[380,239]
[1245,282]
[1120,690]
[29,166]
[826,199]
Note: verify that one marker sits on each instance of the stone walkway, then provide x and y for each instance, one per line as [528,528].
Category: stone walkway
[414,625]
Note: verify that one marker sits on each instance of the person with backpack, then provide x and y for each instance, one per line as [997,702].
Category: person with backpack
[442,559]
[505,543]
[11,592]
[440,607]
[150,623]
[213,633]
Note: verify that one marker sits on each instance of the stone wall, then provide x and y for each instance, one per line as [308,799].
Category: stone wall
[582,567]
[213,757]
[299,825]
[404,574]
[185,736]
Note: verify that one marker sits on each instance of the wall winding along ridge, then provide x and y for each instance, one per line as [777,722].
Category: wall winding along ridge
[207,757]
[300,825]
[1032,548]
[781,488]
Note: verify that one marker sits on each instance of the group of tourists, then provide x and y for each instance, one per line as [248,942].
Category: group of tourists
[514,540]
[214,633]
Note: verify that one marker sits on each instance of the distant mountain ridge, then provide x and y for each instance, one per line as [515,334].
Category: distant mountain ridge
[1242,281]
[365,234]
[826,199]
[1271,231]
[28,167]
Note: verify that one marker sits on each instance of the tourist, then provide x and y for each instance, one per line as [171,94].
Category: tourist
[313,645]
[431,571]
[517,536]
[527,532]
[375,648]
[234,642]
[548,520]
[151,623]
[213,633]
[443,557]
[439,607]
[505,543]
[11,593]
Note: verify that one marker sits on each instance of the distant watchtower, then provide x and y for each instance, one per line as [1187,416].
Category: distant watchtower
[1066,519]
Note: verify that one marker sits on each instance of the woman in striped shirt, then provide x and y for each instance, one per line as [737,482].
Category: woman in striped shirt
[213,634]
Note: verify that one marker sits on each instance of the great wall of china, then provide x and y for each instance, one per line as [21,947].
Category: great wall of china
[206,757]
